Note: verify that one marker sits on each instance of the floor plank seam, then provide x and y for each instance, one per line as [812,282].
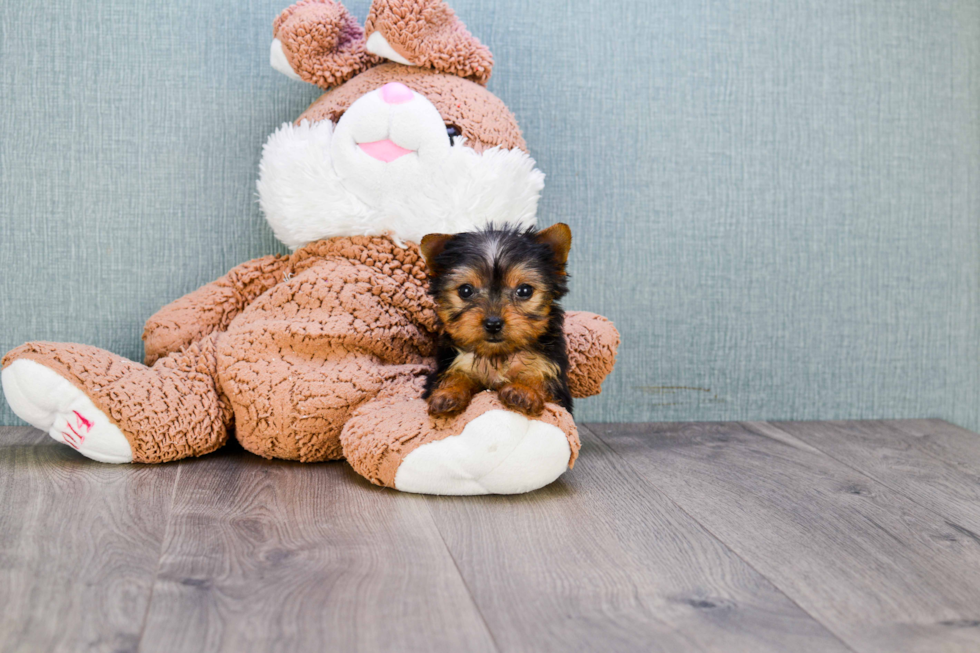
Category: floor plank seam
[156,572]
[949,520]
[462,579]
[731,548]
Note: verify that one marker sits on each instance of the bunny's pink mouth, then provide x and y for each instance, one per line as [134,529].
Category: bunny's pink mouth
[385,150]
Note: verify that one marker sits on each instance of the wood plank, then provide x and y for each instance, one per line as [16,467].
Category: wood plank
[21,436]
[279,556]
[79,544]
[602,561]
[895,458]
[880,571]
[953,444]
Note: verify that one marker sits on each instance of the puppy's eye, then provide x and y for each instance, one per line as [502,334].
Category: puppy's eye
[465,291]
[453,132]
[524,291]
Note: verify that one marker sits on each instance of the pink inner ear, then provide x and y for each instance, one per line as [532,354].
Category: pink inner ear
[385,150]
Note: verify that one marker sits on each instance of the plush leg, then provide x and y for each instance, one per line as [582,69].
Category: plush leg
[293,404]
[114,410]
[392,441]
[294,409]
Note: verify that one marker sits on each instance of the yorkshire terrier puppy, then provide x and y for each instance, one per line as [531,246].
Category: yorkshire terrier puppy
[496,293]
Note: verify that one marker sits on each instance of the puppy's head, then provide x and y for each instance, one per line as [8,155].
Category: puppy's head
[497,289]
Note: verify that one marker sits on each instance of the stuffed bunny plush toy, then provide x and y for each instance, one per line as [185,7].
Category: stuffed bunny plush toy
[322,354]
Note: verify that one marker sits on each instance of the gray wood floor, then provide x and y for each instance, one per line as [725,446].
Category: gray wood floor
[820,536]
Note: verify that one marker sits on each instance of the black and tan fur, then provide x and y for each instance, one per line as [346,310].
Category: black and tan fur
[497,294]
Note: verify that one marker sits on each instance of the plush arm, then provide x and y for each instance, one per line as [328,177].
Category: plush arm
[592,344]
[210,308]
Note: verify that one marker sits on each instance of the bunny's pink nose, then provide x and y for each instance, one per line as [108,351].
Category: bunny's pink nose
[396,93]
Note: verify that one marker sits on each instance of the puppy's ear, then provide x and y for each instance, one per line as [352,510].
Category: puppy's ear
[432,246]
[559,238]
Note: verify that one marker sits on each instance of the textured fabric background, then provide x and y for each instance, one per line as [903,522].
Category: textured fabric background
[778,202]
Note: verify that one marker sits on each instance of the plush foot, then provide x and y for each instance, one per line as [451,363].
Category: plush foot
[393,441]
[49,402]
[499,452]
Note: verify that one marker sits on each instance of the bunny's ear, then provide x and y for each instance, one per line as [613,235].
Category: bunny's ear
[318,41]
[426,33]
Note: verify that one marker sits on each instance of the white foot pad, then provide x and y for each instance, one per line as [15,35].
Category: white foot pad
[47,401]
[499,452]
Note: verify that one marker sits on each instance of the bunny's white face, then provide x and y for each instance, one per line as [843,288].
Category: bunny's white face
[388,141]
[389,166]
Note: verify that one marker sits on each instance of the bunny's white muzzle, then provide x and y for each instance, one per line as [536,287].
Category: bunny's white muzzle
[389,166]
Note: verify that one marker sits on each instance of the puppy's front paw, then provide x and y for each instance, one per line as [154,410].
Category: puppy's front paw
[448,401]
[523,398]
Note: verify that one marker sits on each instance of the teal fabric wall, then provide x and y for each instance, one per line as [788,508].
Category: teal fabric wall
[778,202]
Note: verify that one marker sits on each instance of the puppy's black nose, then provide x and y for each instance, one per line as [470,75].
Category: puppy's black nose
[493,324]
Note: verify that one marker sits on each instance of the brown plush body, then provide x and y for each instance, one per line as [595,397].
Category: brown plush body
[323,354]
[320,355]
